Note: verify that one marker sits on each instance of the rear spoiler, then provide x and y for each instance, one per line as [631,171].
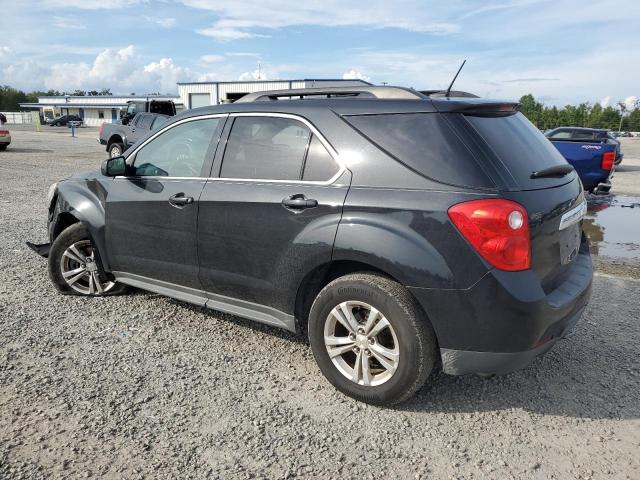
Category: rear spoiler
[480,108]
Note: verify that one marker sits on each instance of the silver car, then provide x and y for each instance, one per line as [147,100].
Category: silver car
[5,139]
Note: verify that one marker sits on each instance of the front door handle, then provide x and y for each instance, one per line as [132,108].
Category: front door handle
[299,202]
[179,200]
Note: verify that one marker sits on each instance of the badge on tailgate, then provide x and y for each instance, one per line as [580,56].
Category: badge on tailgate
[573,216]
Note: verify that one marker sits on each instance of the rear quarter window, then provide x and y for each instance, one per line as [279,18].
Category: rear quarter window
[426,143]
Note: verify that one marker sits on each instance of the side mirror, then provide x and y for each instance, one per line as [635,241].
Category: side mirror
[114,167]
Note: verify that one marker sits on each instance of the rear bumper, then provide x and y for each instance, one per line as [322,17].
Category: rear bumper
[592,180]
[506,319]
[603,188]
[460,362]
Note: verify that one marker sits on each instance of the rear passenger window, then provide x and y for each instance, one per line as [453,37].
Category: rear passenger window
[319,166]
[561,134]
[265,148]
[583,135]
[426,143]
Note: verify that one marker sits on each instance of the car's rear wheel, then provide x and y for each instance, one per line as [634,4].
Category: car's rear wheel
[74,265]
[3,147]
[371,339]
[115,149]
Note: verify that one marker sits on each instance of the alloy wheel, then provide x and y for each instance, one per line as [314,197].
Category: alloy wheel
[361,343]
[80,270]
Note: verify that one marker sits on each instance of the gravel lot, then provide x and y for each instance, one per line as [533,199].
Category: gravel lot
[142,386]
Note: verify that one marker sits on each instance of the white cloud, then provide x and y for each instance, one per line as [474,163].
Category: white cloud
[242,54]
[118,69]
[167,22]
[67,22]
[226,34]
[605,101]
[355,75]
[90,4]
[256,74]
[4,52]
[630,102]
[165,74]
[239,20]
[111,64]
[28,75]
[212,58]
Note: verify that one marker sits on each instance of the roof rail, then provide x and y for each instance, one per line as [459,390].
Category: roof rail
[365,91]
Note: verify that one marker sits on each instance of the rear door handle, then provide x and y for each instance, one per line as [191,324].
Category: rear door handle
[179,200]
[299,202]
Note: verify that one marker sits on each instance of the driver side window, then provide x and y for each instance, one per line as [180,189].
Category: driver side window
[178,152]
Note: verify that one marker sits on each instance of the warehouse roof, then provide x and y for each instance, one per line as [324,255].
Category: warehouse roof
[78,104]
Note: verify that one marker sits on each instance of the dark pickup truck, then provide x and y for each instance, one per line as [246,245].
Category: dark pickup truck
[119,137]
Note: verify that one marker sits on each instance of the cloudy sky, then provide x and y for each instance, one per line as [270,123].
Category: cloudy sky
[562,51]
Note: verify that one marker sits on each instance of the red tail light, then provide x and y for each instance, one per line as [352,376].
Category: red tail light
[608,159]
[498,230]
[100,129]
[4,132]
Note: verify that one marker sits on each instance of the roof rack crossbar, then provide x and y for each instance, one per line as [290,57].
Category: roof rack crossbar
[396,93]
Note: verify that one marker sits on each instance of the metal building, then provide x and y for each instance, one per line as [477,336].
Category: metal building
[201,94]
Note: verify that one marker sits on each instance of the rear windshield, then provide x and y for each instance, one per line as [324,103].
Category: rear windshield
[520,146]
[426,143]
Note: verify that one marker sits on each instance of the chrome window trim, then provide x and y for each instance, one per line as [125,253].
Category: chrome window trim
[332,152]
[573,216]
[135,151]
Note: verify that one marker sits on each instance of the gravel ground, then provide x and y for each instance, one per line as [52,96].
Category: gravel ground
[142,386]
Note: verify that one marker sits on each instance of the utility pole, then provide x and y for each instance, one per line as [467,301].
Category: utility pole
[623,108]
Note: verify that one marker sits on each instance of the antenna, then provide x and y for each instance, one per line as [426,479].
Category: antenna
[454,79]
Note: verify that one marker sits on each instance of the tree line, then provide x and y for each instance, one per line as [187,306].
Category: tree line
[11,98]
[582,115]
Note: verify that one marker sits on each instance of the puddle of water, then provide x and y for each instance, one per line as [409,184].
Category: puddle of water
[612,224]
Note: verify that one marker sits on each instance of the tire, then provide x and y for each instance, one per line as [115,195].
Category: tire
[407,341]
[3,147]
[73,265]
[115,149]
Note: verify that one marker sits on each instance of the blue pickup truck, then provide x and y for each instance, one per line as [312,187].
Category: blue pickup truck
[592,154]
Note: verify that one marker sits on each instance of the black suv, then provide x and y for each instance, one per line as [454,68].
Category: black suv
[395,229]
[64,120]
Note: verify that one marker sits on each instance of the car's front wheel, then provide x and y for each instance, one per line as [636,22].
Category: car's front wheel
[74,266]
[371,339]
